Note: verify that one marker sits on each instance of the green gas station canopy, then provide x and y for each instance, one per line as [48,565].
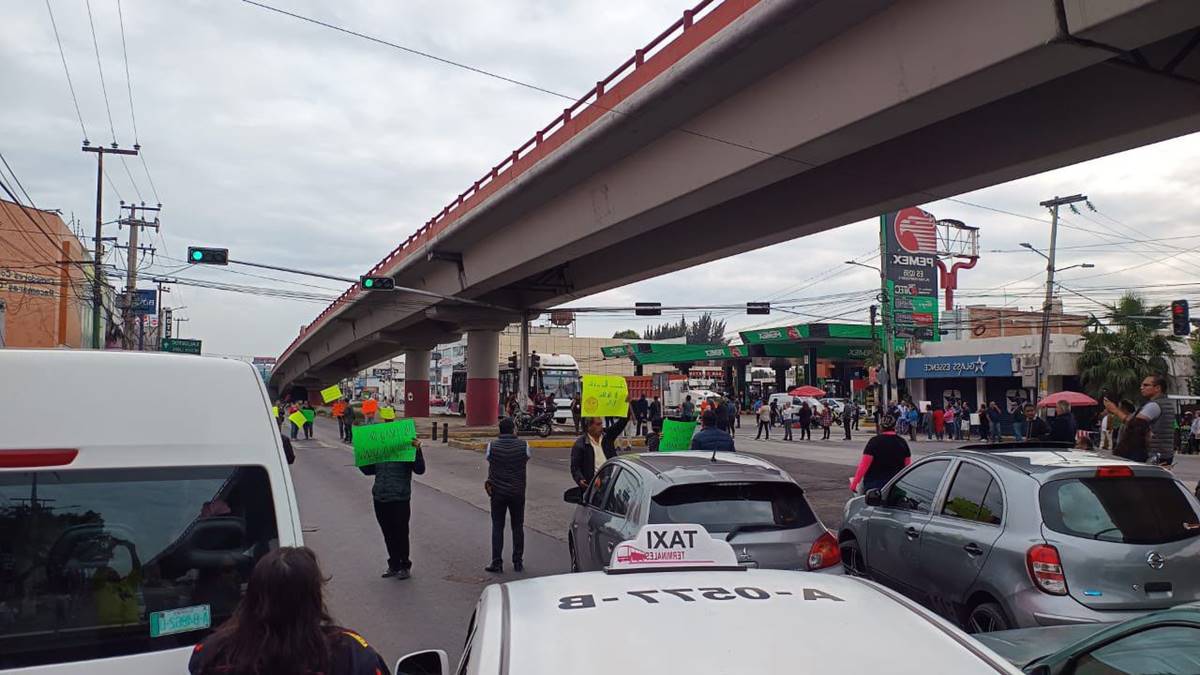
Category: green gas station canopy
[848,342]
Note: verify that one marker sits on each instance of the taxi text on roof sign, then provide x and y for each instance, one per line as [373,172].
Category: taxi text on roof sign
[671,546]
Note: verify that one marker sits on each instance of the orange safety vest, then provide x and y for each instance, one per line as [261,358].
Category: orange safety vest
[339,408]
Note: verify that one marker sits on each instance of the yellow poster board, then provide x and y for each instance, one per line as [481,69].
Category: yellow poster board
[298,419]
[274,412]
[605,396]
[331,393]
[387,413]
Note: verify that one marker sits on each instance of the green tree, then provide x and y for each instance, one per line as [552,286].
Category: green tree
[1116,358]
[702,331]
[627,334]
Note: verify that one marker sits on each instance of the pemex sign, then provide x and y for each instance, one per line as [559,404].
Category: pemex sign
[909,238]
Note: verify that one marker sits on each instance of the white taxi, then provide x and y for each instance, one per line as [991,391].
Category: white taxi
[674,600]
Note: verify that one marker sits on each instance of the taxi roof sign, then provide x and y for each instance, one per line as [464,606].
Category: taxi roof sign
[672,547]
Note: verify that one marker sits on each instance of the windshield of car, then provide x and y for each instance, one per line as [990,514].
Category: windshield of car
[101,563]
[720,507]
[1138,510]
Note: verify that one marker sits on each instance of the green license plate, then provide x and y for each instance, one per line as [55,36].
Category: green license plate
[180,620]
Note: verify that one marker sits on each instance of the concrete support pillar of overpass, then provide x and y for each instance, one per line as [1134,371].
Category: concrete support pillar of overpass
[416,383]
[780,366]
[483,376]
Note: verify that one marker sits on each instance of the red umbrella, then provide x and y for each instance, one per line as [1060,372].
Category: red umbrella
[1072,397]
[808,390]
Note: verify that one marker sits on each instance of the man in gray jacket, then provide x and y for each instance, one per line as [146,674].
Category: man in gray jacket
[392,494]
[507,457]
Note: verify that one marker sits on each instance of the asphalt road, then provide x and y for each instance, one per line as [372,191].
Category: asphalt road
[451,528]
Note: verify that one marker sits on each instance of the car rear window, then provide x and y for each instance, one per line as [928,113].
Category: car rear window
[112,562]
[720,507]
[1138,510]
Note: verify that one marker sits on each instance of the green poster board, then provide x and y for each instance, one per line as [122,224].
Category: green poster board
[676,436]
[309,414]
[386,442]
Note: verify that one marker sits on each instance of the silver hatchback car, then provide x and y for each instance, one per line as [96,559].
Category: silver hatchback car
[1015,536]
[747,501]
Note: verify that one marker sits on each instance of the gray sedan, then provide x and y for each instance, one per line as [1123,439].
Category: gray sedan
[1023,536]
[749,502]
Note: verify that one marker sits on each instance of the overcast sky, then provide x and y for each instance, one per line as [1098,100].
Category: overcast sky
[296,145]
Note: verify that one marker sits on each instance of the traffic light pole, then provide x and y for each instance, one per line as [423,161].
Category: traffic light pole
[523,363]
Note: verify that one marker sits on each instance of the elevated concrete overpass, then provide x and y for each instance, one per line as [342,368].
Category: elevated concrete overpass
[751,122]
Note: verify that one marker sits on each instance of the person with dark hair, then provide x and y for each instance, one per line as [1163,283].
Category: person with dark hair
[711,438]
[1159,414]
[507,457]
[392,494]
[654,435]
[641,413]
[1036,428]
[765,415]
[283,626]
[593,447]
[804,419]
[884,456]
[656,411]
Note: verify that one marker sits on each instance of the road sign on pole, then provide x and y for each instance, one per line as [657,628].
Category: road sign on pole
[180,345]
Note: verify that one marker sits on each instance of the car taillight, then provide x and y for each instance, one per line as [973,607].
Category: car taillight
[1045,568]
[1114,472]
[824,553]
[30,459]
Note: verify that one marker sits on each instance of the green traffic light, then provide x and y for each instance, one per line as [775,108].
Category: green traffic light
[197,255]
[367,283]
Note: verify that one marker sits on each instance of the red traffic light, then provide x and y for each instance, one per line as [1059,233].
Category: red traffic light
[1178,308]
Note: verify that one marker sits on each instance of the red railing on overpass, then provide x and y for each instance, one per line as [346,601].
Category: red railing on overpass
[693,29]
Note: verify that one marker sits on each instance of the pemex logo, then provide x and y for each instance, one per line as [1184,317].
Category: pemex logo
[916,231]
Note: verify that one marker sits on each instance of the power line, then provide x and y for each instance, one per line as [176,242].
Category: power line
[128,81]
[153,188]
[100,68]
[66,70]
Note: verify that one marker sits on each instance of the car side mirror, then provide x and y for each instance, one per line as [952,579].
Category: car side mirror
[874,497]
[573,495]
[428,662]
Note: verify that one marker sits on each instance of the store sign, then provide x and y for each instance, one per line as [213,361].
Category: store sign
[617,351]
[768,335]
[980,365]
[910,267]
[14,281]
[145,301]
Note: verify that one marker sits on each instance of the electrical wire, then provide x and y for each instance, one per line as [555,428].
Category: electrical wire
[128,81]
[66,70]
[103,87]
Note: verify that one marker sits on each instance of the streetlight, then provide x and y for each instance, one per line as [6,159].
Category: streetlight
[888,340]
[1031,247]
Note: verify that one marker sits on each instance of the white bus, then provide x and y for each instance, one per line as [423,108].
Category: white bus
[556,375]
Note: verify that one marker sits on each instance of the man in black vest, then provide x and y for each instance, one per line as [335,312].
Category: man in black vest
[507,457]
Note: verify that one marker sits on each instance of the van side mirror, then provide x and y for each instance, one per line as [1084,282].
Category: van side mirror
[428,662]
[573,495]
[874,497]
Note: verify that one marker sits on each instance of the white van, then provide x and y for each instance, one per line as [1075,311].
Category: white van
[784,398]
[137,491]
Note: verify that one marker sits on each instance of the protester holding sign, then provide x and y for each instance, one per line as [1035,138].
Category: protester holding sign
[296,418]
[676,436]
[712,438]
[596,445]
[339,413]
[306,409]
[392,492]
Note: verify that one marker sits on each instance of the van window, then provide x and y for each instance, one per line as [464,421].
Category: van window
[1138,510]
[90,559]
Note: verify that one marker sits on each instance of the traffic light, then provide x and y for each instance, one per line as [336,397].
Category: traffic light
[758,308]
[535,361]
[369,283]
[1180,322]
[208,256]
[512,361]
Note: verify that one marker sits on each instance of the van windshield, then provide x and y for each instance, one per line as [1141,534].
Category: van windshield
[109,562]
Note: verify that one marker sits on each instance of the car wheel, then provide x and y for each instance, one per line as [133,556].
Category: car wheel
[986,617]
[574,558]
[852,560]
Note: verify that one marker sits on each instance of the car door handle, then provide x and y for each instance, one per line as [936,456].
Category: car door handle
[911,533]
[973,549]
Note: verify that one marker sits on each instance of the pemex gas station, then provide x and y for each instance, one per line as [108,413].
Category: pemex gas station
[830,356]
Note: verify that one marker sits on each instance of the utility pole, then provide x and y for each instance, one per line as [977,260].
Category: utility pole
[97,298]
[523,364]
[1044,355]
[135,225]
[179,326]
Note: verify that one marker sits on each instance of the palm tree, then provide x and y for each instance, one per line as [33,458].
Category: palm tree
[1114,362]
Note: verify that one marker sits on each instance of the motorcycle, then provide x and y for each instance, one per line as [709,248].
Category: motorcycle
[541,423]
